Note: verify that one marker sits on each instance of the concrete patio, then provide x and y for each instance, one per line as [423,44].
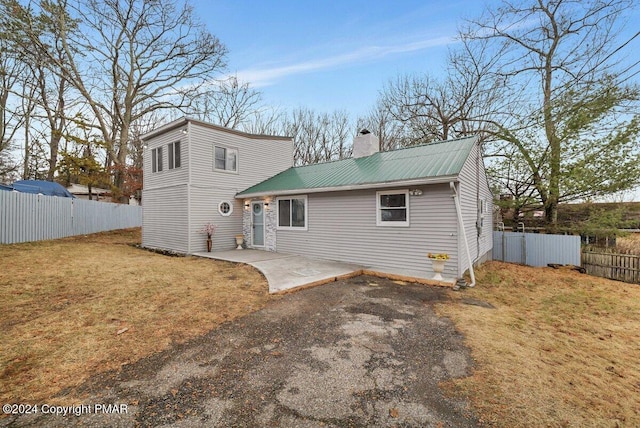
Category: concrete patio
[288,271]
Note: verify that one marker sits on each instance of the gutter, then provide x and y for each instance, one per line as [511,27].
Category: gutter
[363,186]
[456,200]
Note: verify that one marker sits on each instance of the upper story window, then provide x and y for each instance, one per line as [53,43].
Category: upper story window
[174,155]
[225,159]
[156,159]
[392,208]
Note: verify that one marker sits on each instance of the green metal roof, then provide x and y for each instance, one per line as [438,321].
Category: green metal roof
[440,159]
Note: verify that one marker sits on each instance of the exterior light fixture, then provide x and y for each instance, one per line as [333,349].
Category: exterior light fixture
[415,192]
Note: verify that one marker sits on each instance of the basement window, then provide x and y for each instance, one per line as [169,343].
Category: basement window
[392,208]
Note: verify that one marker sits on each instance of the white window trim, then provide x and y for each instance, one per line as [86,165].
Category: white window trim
[306,212]
[157,167]
[171,152]
[222,213]
[379,221]
[228,171]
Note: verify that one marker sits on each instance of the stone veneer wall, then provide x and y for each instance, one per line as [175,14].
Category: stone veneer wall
[270,223]
[246,225]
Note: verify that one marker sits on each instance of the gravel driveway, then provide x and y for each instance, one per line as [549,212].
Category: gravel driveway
[355,353]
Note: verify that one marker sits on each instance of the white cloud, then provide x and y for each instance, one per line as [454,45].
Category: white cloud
[260,77]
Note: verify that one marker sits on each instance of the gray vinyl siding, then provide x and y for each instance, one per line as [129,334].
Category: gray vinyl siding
[179,202]
[166,177]
[342,226]
[204,209]
[164,196]
[164,217]
[258,159]
[474,186]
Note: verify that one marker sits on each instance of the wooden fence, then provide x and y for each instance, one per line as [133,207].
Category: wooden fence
[623,267]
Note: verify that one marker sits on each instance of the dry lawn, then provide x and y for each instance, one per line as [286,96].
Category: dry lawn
[560,348]
[629,243]
[65,305]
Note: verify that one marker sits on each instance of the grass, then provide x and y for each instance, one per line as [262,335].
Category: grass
[629,244]
[560,348]
[74,307]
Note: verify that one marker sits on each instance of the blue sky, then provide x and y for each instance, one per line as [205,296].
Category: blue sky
[332,55]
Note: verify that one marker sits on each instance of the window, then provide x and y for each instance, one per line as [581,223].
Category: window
[292,212]
[225,159]
[393,208]
[482,206]
[174,155]
[156,160]
[225,208]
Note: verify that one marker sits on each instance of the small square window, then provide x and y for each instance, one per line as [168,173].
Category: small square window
[392,208]
[292,213]
[225,159]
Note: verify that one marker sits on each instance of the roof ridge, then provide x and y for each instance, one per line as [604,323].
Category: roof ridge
[388,151]
[431,143]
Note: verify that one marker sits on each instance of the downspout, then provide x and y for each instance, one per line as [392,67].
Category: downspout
[187,151]
[456,201]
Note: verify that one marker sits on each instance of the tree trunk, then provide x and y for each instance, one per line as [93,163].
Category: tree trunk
[551,204]
[27,150]
[57,122]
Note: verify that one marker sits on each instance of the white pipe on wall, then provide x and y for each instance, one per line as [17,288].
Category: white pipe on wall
[456,200]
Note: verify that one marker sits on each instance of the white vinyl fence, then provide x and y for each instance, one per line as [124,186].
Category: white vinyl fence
[26,217]
[536,249]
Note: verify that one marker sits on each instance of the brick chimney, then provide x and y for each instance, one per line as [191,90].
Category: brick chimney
[365,144]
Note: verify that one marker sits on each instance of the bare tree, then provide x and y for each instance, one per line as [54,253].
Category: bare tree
[422,109]
[51,95]
[126,59]
[228,103]
[424,105]
[267,120]
[392,133]
[319,137]
[572,114]
[11,116]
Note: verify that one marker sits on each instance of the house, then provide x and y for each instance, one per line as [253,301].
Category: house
[192,172]
[81,191]
[382,210]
